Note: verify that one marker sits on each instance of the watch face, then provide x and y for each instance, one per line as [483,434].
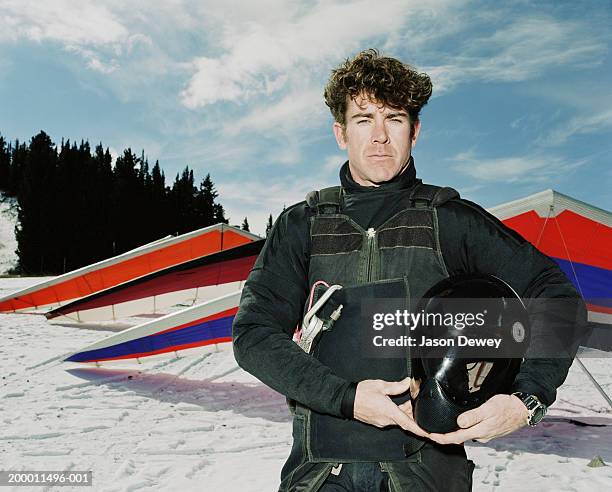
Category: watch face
[538,415]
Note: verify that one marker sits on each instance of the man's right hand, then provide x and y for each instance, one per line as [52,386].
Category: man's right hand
[373,405]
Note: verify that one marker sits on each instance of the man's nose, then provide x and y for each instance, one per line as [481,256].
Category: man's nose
[379,133]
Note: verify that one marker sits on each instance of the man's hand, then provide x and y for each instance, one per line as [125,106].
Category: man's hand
[498,416]
[373,405]
[406,407]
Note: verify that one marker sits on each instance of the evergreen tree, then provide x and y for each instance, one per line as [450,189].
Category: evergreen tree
[205,202]
[68,206]
[143,173]
[76,208]
[245,225]
[92,200]
[19,154]
[159,210]
[149,222]
[219,215]
[101,195]
[126,208]
[5,164]
[184,201]
[269,225]
[35,231]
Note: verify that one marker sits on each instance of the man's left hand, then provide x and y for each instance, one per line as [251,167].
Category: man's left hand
[498,416]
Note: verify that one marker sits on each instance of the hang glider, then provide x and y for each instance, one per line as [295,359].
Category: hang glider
[141,261]
[578,236]
[197,326]
[573,233]
[193,281]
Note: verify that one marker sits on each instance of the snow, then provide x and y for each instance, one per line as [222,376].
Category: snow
[8,241]
[201,423]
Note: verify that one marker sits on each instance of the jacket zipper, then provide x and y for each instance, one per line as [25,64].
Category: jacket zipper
[371,233]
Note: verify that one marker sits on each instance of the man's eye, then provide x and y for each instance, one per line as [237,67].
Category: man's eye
[397,120]
[359,122]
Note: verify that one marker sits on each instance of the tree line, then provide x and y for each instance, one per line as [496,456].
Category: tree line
[76,207]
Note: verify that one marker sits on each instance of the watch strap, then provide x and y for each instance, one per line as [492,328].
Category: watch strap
[535,407]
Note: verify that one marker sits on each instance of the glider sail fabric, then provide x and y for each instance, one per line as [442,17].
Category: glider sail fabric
[578,237]
[205,324]
[127,266]
[194,281]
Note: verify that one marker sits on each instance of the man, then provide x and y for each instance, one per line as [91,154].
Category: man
[382,224]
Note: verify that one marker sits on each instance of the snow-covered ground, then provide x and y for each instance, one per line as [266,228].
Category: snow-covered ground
[8,242]
[201,423]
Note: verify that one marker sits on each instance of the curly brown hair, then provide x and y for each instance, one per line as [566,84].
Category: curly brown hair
[385,80]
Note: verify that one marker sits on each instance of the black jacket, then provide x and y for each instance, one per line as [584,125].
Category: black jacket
[471,240]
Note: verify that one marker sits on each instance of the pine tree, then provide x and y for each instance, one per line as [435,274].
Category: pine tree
[76,208]
[93,192]
[205,202]
[68,205]
[159,210]
[102,196]
[269,225]
[184,199]
[126,204]
[19,155]
[35,231]
[245,225]
[219,216]
[5,164]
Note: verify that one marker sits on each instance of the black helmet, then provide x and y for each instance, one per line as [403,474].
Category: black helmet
[459,368]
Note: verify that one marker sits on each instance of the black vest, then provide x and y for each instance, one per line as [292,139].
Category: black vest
[401,258]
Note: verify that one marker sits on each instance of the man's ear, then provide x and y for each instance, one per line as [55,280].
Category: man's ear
[340,134]
[415,132]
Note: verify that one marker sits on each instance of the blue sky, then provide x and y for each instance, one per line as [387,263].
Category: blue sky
[522,90]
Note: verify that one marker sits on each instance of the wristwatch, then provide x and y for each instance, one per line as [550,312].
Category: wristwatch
[536,408]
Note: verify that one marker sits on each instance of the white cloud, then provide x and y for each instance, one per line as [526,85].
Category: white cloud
[333,162]
[525,49]
[257,199]
[138,39]
[514,169]
[515,124]
[297,109]
[579,125]
[93,60]
[106,68]
[72,23]
[214,80]
[86,28]
[466,191]
[261,51]
[247,49]
[99,32]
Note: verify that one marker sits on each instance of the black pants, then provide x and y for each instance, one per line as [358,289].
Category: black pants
[357,476]
[431,469]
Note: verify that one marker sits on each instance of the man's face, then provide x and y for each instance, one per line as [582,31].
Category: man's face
[378,140]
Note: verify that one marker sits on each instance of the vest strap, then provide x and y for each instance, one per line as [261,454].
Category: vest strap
[426,195]
[325,201]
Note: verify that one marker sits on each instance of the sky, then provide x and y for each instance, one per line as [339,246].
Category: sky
[522,97]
